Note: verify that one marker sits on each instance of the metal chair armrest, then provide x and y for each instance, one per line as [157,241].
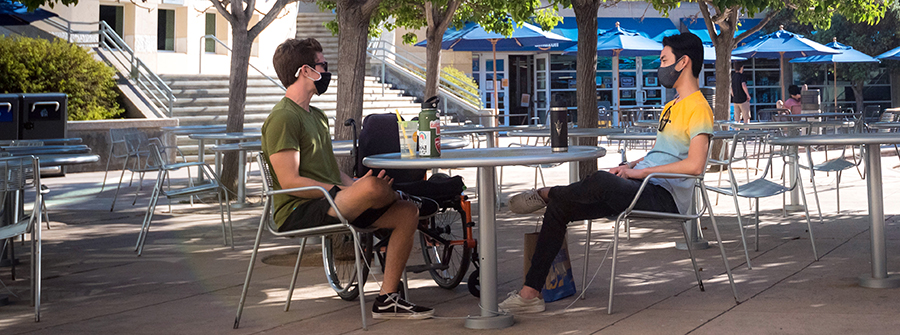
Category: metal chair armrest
[325,194]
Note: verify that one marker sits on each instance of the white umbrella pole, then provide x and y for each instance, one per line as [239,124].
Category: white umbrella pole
[496,103]
[781,72]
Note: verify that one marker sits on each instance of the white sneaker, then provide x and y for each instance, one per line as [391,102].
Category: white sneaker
[515,304]
[526,202]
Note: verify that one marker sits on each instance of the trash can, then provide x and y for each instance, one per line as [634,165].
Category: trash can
[44,115]
[9,116]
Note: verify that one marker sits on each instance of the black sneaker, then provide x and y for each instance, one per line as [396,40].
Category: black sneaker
[427,206]
[392,306]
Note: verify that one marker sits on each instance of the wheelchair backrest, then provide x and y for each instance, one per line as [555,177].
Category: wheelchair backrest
[380,135]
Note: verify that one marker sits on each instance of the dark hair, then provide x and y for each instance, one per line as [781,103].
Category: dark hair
[738,65]
[291,55]
[793,90]
[687,44]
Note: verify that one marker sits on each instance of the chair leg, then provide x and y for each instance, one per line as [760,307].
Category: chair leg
[837,197]
[105,174]
[756,226]
[287,304]
[405,287]
[119,186]
[148,217]
[222,215]
[687,242]
[712,218]
[36,267]
[587,256]
[45,212]
[262,221]
[627,229]
[816,193]
[359,278]
[612,274]
[812,240]
[741,229]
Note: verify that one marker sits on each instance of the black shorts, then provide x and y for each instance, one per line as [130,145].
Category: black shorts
[314,213]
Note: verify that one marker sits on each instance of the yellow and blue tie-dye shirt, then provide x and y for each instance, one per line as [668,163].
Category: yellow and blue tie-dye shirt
[689,117]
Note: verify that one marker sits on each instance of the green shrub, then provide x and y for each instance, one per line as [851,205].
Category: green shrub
[458,77]
[40,66]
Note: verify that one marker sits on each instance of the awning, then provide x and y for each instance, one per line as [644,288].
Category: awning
[698,27]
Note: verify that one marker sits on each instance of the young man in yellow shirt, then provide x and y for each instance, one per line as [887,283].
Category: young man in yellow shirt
[681,146]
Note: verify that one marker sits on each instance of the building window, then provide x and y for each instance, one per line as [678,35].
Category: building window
[210,30]
[113,16]
[166,30]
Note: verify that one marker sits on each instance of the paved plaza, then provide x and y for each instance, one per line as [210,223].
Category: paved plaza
[187,282]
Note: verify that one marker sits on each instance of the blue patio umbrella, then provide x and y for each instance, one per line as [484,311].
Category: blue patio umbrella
[847,55]
[893,54]
[623,42]
[620,42]
[709,54]
[473,37]
[16,14]
[783,45]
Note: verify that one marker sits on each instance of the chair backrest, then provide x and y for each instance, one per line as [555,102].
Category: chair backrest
[17,174]
[810,100]
[268,185]
[380,135]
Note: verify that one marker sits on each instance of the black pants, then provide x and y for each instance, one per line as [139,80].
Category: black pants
[600,194]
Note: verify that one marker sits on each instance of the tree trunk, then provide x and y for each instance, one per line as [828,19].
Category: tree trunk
[237,96]
[353,24]
[586,73]
[432,61]
[722,101]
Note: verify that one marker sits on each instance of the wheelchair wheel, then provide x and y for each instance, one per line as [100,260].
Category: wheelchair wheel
[340,263]
[444,247]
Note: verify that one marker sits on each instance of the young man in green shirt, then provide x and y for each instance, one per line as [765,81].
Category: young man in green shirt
[297,144]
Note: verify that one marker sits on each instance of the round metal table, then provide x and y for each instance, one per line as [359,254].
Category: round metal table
[486,160]
[66,159]
[573,133]
[49,141]
[879,278]
[242,159]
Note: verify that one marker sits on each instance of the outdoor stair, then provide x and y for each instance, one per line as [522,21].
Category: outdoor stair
[313,25]
[203,100]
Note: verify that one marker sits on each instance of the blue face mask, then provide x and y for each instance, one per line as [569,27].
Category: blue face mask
[668,75]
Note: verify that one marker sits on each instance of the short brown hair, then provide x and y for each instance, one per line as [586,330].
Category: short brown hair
[293,54]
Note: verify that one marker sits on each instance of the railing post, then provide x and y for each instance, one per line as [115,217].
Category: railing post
[68,32]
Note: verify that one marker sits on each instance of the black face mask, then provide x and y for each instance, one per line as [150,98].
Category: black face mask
[668,75]
[322,83]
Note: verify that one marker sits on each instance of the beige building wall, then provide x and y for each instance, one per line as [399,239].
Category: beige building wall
[459,60]
[140,28]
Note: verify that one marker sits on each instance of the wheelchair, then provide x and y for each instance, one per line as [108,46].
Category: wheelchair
[446,238]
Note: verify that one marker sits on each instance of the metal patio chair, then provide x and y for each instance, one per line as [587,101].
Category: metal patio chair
[267,222]
[212,185]
[18,175]
[631,213]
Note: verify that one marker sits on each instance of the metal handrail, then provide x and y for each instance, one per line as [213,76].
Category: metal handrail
[381,53]
[214,38]
[415,60]
[139,73]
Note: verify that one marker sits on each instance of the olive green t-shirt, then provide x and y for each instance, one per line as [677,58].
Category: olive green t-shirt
[290,127]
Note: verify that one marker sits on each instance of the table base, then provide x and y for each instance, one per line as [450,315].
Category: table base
[794,208]
[238,205]
[490,322]
[892,281]
[695,245]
